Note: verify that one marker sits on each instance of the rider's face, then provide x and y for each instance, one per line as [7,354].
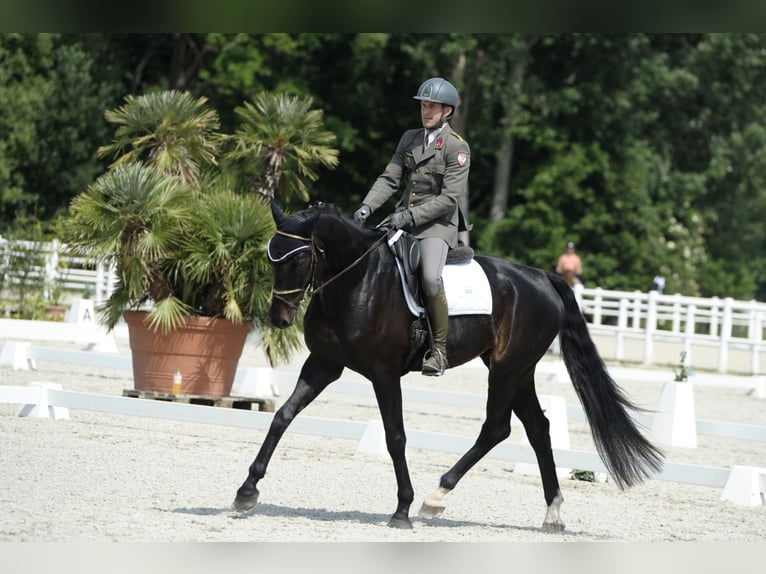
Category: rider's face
[431,114]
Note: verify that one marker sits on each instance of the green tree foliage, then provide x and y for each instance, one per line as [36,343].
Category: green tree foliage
[645,149]
[51,105]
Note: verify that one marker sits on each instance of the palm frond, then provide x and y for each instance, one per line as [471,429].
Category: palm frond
[170,129]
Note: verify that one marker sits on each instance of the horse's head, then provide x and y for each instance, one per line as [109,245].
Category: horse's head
[292,262]
[319,244]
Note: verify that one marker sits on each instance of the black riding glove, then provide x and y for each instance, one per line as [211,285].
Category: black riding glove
[361,214]
[401,219]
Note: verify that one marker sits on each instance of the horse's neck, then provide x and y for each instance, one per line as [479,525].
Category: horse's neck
[347,261]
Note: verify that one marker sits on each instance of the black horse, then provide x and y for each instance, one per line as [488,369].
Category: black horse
[358,318]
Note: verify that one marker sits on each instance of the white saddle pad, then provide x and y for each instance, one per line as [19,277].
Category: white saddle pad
[467,289]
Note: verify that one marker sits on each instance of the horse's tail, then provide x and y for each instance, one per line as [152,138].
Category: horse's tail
[627,454]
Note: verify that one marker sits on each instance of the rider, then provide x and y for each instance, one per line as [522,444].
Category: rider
[431,166]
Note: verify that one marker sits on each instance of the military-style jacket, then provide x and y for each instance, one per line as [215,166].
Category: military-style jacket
[431,181]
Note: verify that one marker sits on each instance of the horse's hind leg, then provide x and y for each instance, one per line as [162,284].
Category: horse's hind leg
[315,375]
[527,408]
[496,428]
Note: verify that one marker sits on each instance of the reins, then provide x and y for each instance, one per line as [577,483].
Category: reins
[349,267]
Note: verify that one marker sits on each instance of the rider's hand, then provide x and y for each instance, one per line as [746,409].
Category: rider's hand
[361,214]
[401,219]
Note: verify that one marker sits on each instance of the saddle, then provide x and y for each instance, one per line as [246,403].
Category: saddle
[406,250]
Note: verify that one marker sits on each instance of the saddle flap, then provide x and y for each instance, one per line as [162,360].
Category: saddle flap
[406,249]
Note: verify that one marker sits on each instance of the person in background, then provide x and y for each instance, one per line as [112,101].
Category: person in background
[658,284]
[430,166]
[569,266]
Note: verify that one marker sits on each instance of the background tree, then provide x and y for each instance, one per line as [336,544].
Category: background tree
[646,149]
[51,99]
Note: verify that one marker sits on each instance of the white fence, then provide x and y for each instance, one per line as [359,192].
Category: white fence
[729,333]
[725,335]
[48,264]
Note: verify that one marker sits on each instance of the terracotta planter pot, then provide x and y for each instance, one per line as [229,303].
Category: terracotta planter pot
[206,351]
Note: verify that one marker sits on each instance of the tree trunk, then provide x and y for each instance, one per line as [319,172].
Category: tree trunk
[503,167]
[458,123]
[502,181]
[187,59]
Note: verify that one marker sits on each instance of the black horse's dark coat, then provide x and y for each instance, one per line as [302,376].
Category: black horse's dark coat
[358,319]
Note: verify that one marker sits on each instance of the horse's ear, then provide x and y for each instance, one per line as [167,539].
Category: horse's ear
[276,213]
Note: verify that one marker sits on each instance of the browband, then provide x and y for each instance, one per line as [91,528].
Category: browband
[289,253]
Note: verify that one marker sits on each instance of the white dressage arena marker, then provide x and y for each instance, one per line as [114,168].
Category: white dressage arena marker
[556,412]
[42,408]
[16,355]
[746,486]
[759,390]
[81,311]
[373,440]
[675,423]
[256,382]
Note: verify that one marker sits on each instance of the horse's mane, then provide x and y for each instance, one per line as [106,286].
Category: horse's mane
[333,211]
[320,208]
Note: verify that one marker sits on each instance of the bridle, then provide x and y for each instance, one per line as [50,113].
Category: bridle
[316,251]
[280,294]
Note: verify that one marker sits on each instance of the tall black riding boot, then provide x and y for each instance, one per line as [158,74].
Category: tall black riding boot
[435,361]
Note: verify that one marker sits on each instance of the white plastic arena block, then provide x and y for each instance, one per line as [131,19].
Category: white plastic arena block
[373,440]
[759,390]
[17,355]
[106,343]
[42,408]
[257,382]
[746,486]
[562,375]
[675,423]
[556,412]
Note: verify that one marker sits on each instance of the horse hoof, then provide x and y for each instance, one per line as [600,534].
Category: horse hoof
[403,523]
[245,503]
[431,511]
[553,527]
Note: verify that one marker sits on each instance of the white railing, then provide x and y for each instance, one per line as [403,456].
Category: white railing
[717,334]
[57,270]
[721,328]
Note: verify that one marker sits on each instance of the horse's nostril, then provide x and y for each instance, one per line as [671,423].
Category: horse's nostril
[280,320]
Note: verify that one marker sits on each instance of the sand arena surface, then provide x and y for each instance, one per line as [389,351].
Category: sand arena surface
[104,477]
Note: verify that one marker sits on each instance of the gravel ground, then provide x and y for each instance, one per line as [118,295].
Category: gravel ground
[103,477]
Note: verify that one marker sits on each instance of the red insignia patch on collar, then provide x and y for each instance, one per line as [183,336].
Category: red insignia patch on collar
[462,157]
[439,142]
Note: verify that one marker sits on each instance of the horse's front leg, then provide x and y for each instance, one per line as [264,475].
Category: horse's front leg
[388,393]
[314,378]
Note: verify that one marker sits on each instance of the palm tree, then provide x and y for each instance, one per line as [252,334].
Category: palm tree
[170,130]
[285,135]
[134,218]
[166,216]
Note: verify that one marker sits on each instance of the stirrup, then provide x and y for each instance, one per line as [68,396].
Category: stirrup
[431,370]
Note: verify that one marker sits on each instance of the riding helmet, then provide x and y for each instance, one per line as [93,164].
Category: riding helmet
[438,90]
